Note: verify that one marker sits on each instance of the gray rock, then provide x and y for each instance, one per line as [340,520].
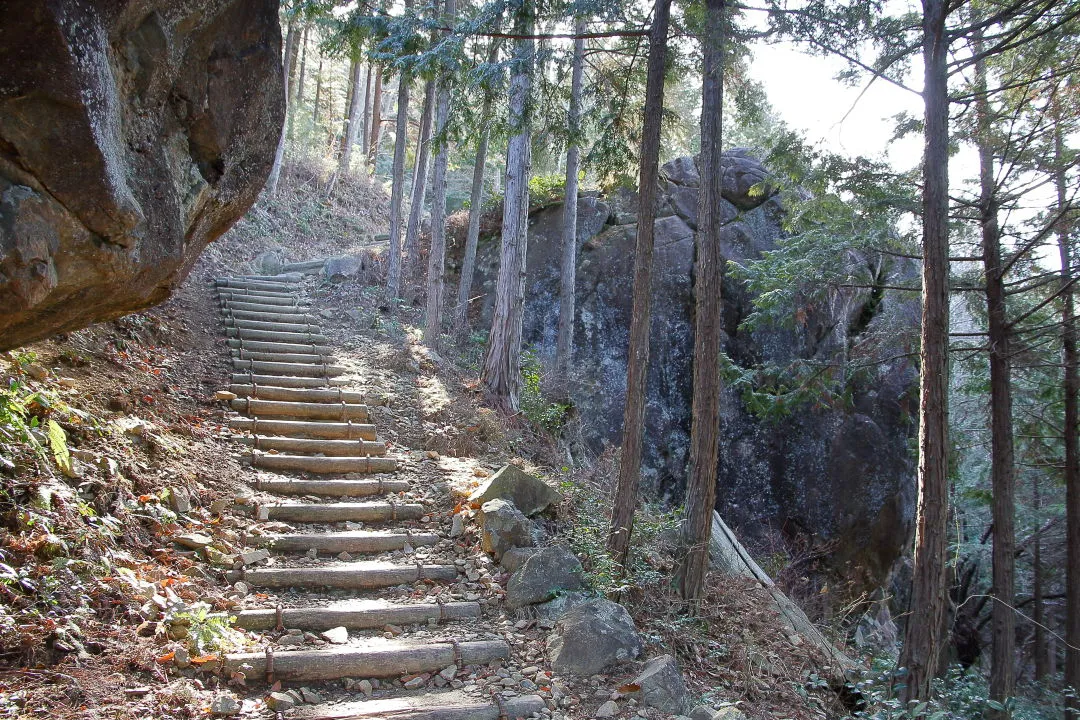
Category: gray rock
[457,526]
[180,499]
[555,609]
[336,636]
[503,526]
[592,637]
[131,135]
[514,558]
[268,263]
[223,705]
[682,171]
[281,701]
[194,541]
[608,710]
[530,494]
[254,556]
[662,686]
[542,576]
[704,712]
[339,269]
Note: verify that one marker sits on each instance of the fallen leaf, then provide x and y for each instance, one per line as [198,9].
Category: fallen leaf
[166,657]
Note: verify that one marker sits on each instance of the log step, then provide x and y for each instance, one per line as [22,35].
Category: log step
[304,265]
[269,346]
[355,575]
[277,336]
[265,300]
[352,541]
[306,410]
[429,706]
[282,368]
[235,306]
[335,395]
[282,357]
[342,512]
[284,381]
[259,316]
[313,446]
[324,430]
[389,659]
[333,488]
[257,295]
[328,465]
[303,327]
[356,615]
[258,282]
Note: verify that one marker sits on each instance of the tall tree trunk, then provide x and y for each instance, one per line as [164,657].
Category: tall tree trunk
[376,119]
[564,345]
[355,117]
[419,183]
[501,375]
[397,183]
[436,270]
[365,123]
[318,94]
[279,154]
[293,54]
[925,630]
[299,95]
[1072,426]
[693,555]
[1039,650]
[476,206]
[1002,467]
[637,368]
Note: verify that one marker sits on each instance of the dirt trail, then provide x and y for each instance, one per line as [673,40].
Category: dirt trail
[357,600]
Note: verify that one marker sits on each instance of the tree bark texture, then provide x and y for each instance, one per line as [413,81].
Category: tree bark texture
[436,271]
[926,625]
[693,553]
[419,184]
[318,94]
[501,375]
[303,67]
[397,184]
[356,117]
[376,118]
[564,345]
[279,154]
[625,500]
[1071,384]
[1039,649]
[365,125]
[476,205]
[1002,465]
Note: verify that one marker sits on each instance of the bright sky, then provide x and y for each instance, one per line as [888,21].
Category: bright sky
[802,90]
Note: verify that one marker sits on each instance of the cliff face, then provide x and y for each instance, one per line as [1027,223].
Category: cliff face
[843,475]
[131,135]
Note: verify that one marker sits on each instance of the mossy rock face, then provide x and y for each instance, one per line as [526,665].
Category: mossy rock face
[530,494]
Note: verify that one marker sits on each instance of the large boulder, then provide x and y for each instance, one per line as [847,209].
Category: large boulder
[530,494]
[503,527]
[662,686]
[592,637]
[835,472]
[542,576]
[131,135]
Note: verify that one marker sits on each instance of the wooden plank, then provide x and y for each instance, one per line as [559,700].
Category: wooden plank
[313,446]
[357,575]
[341,512]
[312,410]
[352,541]
[335,465]
[357,617]
[329,430]
[426,707]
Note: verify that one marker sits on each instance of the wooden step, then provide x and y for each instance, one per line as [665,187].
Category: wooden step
[335,395]
[314,446]
[352,541]
[259,316]
[327,465]
[343,512]
[363,575]
[389,659]
[270,346]
[282,357]
[325,430]
[427,706]
[258,282]
[356,615]
[294,369]
[242,324]
[229,300]
[285,381]
[234,294]
[303,266]
[234,306]
[277,336]
[300,410]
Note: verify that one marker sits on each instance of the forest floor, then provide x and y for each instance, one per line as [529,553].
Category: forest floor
[87,542]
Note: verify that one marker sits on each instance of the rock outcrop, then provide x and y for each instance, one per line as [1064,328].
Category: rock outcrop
[131,135]
[835,473]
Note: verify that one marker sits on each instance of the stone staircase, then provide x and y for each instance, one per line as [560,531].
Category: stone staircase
[343,536]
